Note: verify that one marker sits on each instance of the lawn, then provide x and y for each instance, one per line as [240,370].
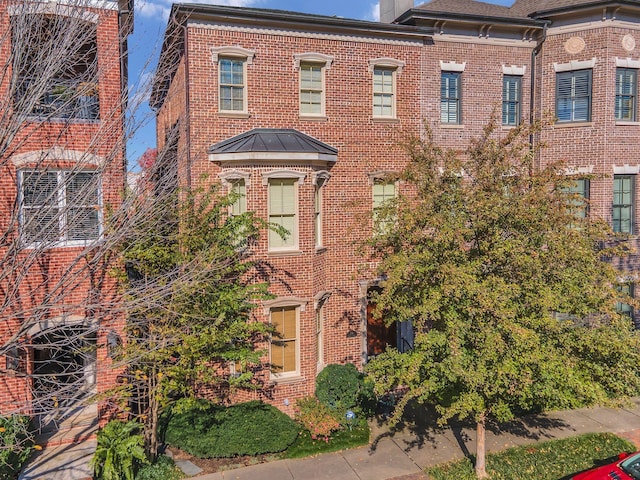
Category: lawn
[552,460]
[305,445]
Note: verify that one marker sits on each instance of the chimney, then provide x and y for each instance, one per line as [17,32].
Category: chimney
[392,9]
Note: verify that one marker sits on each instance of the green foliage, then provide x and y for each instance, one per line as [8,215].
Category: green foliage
[15,445]
[510,294]
[305,446]
[119,453]
[342,388]
[189,295]
[317,418]
[162,469]
[543,461]
[206,430]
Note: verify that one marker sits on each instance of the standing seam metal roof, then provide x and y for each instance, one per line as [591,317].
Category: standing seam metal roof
[272,140]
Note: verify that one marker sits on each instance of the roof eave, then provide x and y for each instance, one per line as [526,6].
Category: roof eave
[420,14]
[585,6]
[288,157]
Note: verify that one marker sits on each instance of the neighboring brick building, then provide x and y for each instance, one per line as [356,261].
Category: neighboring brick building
[63,164]
[301,114]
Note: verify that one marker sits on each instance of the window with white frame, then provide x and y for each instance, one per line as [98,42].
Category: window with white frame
[312,88]
[232,84]
[623,203]
[579,190]
[283,212]
[384,190]
[284,348]
[239,191]
[59,206]
[384,92]
[320,336]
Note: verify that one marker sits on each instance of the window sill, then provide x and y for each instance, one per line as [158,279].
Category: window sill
[72,121]
[313,118]
[454,126]
[286,379]
[625,123]
[509,127]
[385,120]
[234,115]
[573,124]
[59,245]
[284,253]
[321,249]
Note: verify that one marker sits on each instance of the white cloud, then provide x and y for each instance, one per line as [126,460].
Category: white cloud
[374,12]
[161,8]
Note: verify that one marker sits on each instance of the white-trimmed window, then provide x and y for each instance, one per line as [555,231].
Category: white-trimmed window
[320,336]
[312,69]
[384,190]
[285,345]
[319,181]
[232,78]
[59,206]
[239,191]
[312,89]
[385,72]
[384,104]
[283,212]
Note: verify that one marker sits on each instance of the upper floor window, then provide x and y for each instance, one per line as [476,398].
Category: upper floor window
[283,212]
[311,89]
[312,68]
[626,94]
[573,96]
[232,78]
[383,191]
[450,98]
[55,64]
[627,289]
[384,92]
[511,99]
[623,203]
[59,206]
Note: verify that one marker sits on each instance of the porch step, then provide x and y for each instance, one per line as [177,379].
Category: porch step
[70,426]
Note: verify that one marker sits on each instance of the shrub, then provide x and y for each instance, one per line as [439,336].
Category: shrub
[206,430]
[15,445]
[162,469]
[317,418]
[119,452]
[342,388]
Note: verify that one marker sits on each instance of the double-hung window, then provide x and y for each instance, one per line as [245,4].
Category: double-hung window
[450,98]
[579,191]
[623,203]
[239,192]
[312,89]
[383,92]
[573,96]
[283,212]
[511,99]
[59,207]
[284,342]
[383,192]
[626,289]
[232,84]
[626,94]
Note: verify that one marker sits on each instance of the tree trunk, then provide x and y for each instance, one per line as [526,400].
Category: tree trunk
[481,471]
[151,422]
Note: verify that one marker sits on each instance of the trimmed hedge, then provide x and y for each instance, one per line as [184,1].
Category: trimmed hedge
[343,387]
[206,430]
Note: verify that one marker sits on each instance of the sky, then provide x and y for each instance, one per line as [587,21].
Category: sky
[150,23]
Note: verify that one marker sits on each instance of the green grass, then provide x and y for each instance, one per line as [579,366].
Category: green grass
[552,460]
[305,446]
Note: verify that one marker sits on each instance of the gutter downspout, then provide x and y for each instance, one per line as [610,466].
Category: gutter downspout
[534,55]
[187,93]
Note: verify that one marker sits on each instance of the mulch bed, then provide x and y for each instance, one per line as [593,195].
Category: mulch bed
[213,465]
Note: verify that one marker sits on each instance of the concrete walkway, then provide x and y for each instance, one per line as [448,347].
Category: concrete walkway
[399,455]
[405,453]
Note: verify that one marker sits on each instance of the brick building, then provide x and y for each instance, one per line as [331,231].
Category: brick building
[63,164]
[300,114]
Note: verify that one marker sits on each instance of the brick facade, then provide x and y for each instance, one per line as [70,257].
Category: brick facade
[44,288]
[481,49]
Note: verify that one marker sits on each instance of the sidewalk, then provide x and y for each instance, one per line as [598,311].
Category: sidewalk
[404,454]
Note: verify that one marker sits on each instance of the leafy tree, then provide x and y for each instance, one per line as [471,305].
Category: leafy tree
[508,288]
[189,297]
[119,451]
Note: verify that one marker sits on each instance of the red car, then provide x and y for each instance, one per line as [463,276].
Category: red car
[627,467]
